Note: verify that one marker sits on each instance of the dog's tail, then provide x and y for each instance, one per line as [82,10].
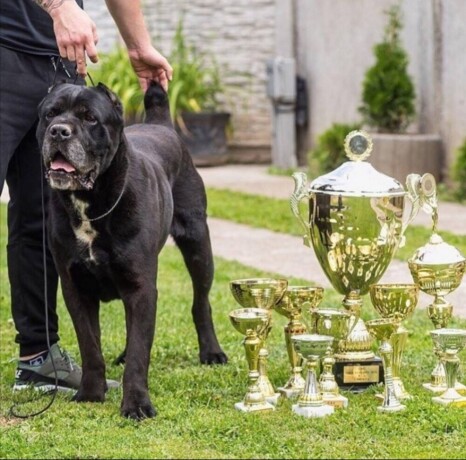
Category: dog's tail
[157,105]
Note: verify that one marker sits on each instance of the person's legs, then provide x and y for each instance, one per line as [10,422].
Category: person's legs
[24,81]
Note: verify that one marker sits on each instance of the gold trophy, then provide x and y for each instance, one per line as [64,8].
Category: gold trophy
[353,217]
[256,292]
[450,342]
[252,323]
[438,269]
[396,301]
[295,299]
[383,329]
[312,347]
[337,324]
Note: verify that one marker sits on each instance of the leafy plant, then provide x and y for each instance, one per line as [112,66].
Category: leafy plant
[388,91]
[459,173]
[329,152]
[196,78]
[116,72]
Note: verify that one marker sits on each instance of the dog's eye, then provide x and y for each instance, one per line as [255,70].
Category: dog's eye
[51,114]
[89,118]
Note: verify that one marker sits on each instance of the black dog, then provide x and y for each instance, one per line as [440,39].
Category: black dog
[116,196]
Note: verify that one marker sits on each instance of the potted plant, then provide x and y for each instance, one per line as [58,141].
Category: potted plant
[388,108]
[193,94]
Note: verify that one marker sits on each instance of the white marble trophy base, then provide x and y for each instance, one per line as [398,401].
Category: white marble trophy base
[442,388]
[313,411]
[289,393]
[265,406]
[273,399]
[336,401]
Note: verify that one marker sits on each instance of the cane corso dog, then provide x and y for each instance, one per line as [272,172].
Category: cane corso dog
[116,195]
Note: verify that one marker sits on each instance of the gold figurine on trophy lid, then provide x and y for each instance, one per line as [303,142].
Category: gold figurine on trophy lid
[438,268]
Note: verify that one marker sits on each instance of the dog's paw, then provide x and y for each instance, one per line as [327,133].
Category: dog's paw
[138,411]
[82,396]
[213,358]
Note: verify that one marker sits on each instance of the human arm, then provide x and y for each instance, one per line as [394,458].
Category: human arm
[75,32]
[147,62]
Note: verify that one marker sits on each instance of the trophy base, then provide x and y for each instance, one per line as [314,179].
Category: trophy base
[290,393]
[265,406]
[312,411]
[397,408]
[357,376]
[460,402]
[442,388]
[338,402]
[273,399]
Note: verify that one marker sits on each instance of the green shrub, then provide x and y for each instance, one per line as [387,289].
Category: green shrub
[329,152]
[388,91]
[459,173]
[195,85]
[196,78]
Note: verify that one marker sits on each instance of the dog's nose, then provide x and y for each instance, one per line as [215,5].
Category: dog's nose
[60,131]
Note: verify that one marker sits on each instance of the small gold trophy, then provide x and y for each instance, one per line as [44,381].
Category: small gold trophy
[383,329]
[252,323]
[338,324]
[296,299]
[256,292]
[450,342]
[312,347]
[396,301]
[438,269]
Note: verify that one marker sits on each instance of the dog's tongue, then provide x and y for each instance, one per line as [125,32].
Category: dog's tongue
[61,163]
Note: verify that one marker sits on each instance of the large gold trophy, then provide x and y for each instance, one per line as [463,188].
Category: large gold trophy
[353,218]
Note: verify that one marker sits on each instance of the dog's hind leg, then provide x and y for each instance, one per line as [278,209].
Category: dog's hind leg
[191,234]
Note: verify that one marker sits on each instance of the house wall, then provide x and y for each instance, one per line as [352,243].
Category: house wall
[333,47]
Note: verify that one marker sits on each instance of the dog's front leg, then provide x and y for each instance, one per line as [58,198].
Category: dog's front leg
[140,308]
[84,312]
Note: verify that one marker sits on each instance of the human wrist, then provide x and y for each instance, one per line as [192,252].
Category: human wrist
[54,7]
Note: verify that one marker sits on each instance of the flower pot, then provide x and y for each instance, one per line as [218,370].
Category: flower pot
[398,155]
[204,134]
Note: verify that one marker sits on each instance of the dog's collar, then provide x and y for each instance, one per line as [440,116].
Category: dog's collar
[107,212]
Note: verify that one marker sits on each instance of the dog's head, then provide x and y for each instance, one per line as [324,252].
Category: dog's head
[79,132]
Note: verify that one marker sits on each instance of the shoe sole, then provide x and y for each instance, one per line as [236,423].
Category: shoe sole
[45,388]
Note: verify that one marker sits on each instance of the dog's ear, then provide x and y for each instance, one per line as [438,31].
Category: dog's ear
[112,96]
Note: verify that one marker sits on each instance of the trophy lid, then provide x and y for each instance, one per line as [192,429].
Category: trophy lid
[357,177]
[436,252]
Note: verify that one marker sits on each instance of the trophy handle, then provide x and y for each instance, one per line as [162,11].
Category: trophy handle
[422,193]
[299,193]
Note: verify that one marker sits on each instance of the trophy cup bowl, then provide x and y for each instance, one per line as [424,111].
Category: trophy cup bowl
[438,269]
[383,329]
[450,342]
[252,323]
[261,293]
[396,301]
[337,324]
[312,347]
[294,301]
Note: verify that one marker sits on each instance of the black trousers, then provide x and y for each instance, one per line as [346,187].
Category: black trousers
[24,82]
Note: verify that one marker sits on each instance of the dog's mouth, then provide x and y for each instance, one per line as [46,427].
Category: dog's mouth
[61,174]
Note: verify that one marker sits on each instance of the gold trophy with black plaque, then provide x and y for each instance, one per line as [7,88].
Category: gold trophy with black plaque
[353,218]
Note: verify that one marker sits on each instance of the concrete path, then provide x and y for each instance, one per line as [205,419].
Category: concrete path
[286,255]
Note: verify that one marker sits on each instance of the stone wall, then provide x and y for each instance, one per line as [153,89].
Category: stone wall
[333,48]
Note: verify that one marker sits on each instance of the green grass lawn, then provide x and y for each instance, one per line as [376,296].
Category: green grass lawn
[196,416]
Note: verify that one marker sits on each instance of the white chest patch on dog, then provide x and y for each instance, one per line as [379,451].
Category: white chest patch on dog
[84,232]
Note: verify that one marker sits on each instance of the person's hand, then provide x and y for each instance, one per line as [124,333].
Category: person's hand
[76,34]
[149,64]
